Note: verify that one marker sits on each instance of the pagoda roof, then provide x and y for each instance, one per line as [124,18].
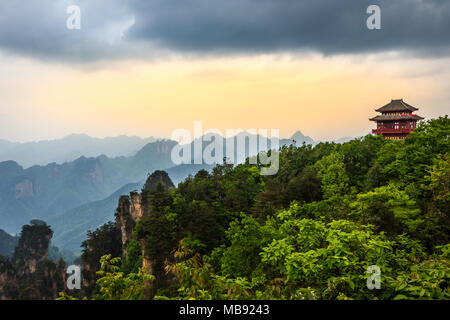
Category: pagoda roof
[396,105]
[387,117]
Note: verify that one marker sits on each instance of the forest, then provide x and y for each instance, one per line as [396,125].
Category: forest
[308,232]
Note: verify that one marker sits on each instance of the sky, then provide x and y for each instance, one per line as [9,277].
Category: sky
[149,67]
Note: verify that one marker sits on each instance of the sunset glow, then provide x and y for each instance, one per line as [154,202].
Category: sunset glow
[325,97]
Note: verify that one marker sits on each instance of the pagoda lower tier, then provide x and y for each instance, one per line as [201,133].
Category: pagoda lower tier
[394,134]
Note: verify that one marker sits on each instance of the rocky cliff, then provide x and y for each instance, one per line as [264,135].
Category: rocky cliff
[29,274]
[131,209]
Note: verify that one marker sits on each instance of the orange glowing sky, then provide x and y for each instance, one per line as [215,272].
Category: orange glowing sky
[325,97]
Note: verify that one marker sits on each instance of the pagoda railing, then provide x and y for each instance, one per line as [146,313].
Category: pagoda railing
[381,131]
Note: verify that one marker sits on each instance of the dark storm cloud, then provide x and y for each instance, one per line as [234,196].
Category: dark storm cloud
[119,28]
[330,26]
[38,28]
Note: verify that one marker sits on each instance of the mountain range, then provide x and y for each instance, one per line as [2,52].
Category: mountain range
[41,192]
[80,195]
[69,148]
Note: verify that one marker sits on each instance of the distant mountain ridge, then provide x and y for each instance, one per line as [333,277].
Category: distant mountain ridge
[345,139]
[70,148]
[74,146]
[81,195]
[41,192]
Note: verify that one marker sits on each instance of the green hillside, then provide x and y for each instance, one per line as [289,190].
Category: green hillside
[309,232]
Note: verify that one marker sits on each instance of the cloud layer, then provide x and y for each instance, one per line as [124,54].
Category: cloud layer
[142,28]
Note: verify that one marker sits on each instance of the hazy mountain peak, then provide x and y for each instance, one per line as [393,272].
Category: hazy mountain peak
[158,177]
[299,138]
[296,134]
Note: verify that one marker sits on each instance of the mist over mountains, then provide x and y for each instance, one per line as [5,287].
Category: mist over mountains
[41,192]
[69,148]
[80,195]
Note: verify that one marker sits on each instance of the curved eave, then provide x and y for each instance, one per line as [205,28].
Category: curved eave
[395,109]
[399,118]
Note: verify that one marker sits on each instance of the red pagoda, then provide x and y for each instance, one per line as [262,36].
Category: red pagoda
[396,120]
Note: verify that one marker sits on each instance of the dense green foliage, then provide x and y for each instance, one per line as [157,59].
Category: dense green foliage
[105,240]
[33,243]
[312,230]
[115,285]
